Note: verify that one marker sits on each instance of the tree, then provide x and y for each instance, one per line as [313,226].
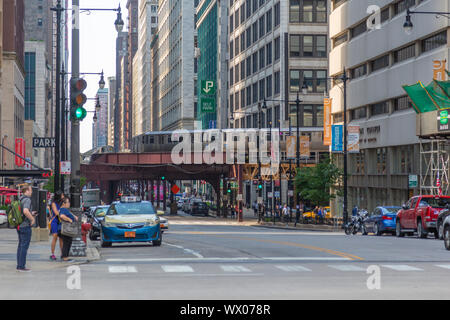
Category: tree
[316,184]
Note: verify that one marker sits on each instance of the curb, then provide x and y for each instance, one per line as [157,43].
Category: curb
[302,228]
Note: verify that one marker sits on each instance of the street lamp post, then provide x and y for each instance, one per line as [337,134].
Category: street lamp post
[408,25]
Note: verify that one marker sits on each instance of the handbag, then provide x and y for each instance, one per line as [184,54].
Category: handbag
[69,229]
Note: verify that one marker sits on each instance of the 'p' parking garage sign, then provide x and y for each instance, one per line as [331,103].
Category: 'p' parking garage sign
[44,142]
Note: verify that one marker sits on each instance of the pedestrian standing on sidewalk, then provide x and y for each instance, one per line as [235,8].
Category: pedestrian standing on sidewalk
[24,229]
[66,215]
[54,222]
[285,213]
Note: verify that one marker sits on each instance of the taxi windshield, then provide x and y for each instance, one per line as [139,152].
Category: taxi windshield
[133,208]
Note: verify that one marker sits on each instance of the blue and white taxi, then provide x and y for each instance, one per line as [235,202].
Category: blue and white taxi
[130,220]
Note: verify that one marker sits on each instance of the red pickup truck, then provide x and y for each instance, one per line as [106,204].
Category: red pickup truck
[420,214]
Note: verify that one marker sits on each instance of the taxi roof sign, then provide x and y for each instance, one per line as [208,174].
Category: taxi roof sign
[130,199]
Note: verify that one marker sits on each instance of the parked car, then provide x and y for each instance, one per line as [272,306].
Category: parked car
[419,215]
[446,227]
[199,208]
[190,204]
[95,217]
[180,203]
[440,222]
[382,220]
[3,218]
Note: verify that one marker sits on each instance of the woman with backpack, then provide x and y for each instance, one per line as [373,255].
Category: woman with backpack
[54,222]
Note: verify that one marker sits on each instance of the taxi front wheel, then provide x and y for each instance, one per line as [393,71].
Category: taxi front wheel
[157,243]
[103,243]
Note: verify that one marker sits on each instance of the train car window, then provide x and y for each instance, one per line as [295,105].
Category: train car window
[152,140]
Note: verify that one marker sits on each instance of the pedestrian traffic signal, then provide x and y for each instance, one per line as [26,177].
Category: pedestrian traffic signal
[77,99]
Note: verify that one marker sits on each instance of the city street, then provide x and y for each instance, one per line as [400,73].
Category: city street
[208,258]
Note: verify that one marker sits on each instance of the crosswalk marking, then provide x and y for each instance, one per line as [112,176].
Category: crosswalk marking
[401,267]
[293,268]
[235,269]
[174,268]
[122,269]
[345,267]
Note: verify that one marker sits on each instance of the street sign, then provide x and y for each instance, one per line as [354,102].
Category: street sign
[239,197]
[65,167]
[175,189]
[337,143]
[260,200]
[412,181]
[44,142]
[442,120]
[277,194]
[28,164]
[208,87]
[207,104]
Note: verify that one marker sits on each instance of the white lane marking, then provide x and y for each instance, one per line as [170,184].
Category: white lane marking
[122,269]
[346,268]
[235,269]
[173,268]
[444,266]
[401,267]
[229,259]
[198,255]
[293,268]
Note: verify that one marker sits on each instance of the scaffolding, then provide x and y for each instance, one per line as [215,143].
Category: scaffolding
[434,167]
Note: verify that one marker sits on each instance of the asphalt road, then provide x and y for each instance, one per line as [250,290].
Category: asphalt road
[202,260]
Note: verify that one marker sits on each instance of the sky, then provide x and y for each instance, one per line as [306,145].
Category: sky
[97,53]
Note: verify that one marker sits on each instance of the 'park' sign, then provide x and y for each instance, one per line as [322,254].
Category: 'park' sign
[44,142]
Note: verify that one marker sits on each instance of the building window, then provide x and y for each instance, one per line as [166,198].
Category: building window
[249,95]
[30,86]
[269,53]
[277,14]
[262,26]
[380,63]
[405,53]
[269,86]
[277,48]
[402,103]
[262,89]
[308,46]
[39,22]
[243,41]
[316,80]
[379,108]
[236,101]
[248,32]
[243,70]
[359,29]
[249,66]
[255,62]
[255,31]
[359,71]
[435,41]
[242,98]
[381,161]
[269,21]
[277,82]
[340,39]
[359,113]
[255,92]
[402,5]
[262,58]
[307,11]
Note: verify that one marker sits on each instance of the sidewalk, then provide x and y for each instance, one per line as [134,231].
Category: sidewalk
[251,220]
[38,257]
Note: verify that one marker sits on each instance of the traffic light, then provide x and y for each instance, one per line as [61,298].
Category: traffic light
[163,178]
[260,185]
[77,99]
[228,188]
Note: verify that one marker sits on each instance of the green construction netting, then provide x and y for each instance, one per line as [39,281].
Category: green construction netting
[435,96]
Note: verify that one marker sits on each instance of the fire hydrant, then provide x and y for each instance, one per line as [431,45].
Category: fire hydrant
[85,228]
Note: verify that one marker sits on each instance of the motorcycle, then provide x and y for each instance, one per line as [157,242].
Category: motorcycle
[356,224]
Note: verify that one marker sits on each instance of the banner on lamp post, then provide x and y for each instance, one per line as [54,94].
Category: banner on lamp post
[353,139]
[327,121]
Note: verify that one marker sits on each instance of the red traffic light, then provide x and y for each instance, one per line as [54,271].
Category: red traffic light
[79,84]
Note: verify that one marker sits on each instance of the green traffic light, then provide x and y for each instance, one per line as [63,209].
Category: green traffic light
[163,178]
[80,113]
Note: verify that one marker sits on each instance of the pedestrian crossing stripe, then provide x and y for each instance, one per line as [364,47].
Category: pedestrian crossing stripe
[176,268]
[235,269]
[346,268]
[444,266]
[122,269]
[401,267]
[293,268]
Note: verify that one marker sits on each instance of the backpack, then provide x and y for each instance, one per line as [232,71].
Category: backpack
[15,216]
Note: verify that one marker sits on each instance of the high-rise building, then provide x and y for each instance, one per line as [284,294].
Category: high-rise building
[111,104]
[12,77]
[148,26]
[176,39]
[276,47]
[39,76]
[379,59]
[212,62]
[100,127]
[121,49]
[133,16]
[154,87]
